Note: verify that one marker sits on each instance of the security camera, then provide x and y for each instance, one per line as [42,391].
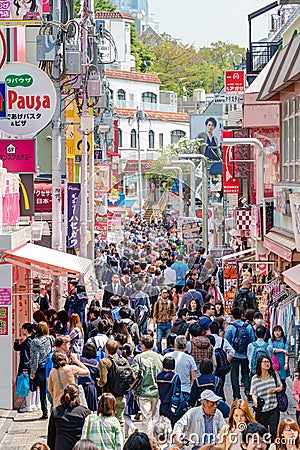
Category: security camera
[48,138]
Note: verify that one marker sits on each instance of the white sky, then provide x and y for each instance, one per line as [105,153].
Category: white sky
[204,21]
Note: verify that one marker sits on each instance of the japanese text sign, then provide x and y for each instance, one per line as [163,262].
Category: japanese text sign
[234,81]
[18,155]
[230,185]
[3,321]
[17,12]
[31,99]
[73,240]
[5,296]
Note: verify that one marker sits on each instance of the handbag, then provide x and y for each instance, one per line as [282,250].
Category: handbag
[22,386]
[275,362]
[282,399]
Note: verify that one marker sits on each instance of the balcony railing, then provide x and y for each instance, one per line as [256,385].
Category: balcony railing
[145,106]
[260,54]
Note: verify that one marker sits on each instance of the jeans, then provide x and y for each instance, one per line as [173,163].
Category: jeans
[234,376]
[163,330]
[41,382]
[143,327]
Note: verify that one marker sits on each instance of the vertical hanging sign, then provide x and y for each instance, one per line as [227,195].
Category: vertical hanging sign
[230,185]
[73,239]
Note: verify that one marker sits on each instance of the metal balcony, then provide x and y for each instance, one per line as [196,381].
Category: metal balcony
[259,55]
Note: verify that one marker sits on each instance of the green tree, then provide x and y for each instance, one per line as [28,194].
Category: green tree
[143,55]
[99,5]
[182,68]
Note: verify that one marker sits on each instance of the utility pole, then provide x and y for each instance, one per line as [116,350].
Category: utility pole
[86,125]
[139,117]
[56,160]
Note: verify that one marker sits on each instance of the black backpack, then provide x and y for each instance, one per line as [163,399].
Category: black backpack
[244,301]
[120,377]
[223,365]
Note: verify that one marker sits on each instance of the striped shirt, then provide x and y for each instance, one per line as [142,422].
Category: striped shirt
[77,341]
[261,388]
[105,432]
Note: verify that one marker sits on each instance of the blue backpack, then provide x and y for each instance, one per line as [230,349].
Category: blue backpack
[259,350]
[100,353]
[241,339]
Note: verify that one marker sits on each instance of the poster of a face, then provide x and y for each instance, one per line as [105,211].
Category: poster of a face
[209,129]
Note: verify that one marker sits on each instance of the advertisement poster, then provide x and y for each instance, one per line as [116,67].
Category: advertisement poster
[101,227]
[3,321]
[209,129]
[230,283]
[21,12]
[73,239]
[102,178]
[5,296]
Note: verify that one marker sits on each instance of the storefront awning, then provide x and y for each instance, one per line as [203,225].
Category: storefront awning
[43,259]
[292,278]
[238,255]
[280,244]
[285,70]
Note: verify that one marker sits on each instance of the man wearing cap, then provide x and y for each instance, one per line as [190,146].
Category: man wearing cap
[201,425]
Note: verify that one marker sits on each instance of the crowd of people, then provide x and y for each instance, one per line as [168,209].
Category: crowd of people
[144,366]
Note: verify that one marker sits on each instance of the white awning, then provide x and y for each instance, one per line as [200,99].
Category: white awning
[238,255]
[292,278]
[43,259]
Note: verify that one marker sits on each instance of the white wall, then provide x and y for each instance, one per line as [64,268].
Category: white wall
[133,90]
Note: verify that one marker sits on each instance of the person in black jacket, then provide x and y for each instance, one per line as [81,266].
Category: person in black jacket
[24,364]
[180,324]
[67,420]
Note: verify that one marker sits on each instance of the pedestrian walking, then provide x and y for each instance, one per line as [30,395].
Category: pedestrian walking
[164,314]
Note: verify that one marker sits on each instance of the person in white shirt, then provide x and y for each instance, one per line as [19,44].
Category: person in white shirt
[169,275]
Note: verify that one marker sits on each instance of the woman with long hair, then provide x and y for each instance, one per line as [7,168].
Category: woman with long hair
[103,428]
[63,374]
[288,435]
[264,386]
[40,347]
[194,310]
[107,315]
[76,334]
[281,349]
[219,308]
[66,420]
[231,434]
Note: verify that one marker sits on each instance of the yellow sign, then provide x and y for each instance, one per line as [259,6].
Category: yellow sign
[74,134]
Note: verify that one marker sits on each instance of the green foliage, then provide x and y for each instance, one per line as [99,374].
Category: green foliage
[171,152]
[99,5]
[182,68]
[143,55]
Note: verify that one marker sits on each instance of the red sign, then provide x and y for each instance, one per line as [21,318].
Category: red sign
[4,321]
[5,296]
[132,166]
[230,283]
[18,155]
[101,226]
[43,197]
[234,81]
[230,185]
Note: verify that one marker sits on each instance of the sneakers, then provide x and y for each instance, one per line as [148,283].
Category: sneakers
[25,409]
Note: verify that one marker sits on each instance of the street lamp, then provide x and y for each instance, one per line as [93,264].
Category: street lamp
[204,193]
[192,181]
[180,193]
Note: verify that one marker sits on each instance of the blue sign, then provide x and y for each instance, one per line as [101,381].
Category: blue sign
[2,100]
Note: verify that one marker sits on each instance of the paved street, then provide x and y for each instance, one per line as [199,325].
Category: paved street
[19,431]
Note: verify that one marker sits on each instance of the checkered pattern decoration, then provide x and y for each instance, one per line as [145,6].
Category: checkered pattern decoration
[242,219]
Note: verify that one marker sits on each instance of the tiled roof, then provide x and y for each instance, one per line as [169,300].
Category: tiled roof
[154,115]
[133,76]
[113,15]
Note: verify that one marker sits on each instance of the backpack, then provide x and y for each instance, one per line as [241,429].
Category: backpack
[120,377]
[241,338]
[223,365]
[259,350]
[243,300]
[100,353]
[179,405]
[141,314]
